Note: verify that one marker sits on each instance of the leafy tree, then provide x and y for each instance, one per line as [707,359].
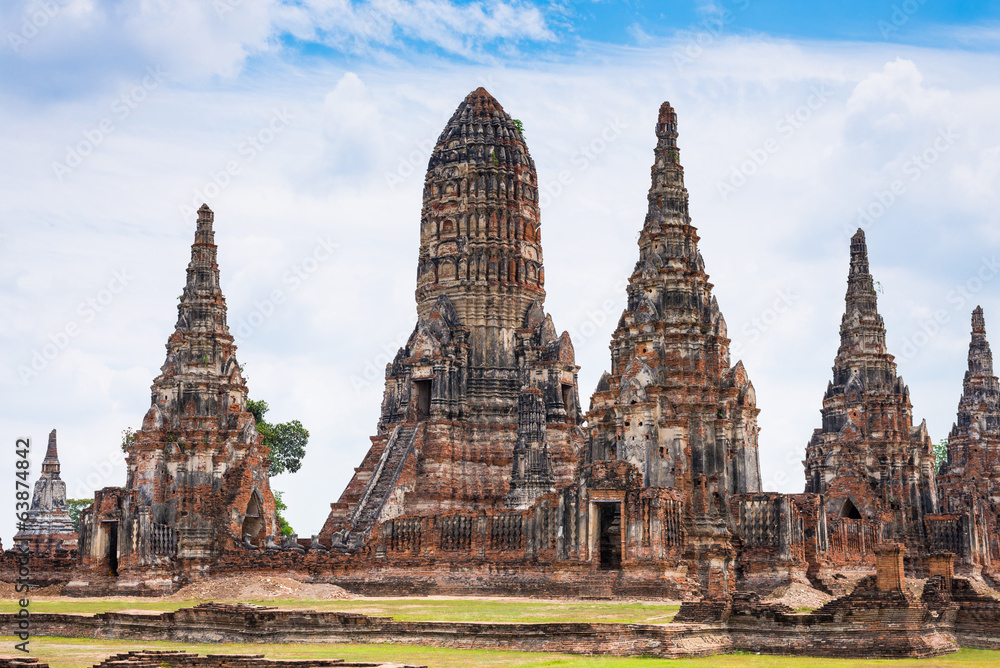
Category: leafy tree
[74,507]
[940,453]
[287,440]
[519,125]
[283,525]
[128,438]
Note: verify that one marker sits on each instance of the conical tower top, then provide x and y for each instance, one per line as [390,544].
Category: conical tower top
[860,285]
[50,465]
[980,355]
[479,232]
[480,100]
[205,234]
[978,321]
[202,303]
[668,198]
[862,330]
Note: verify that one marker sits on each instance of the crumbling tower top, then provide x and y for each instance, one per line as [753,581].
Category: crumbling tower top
[479,233]
[50,465]
[862,330]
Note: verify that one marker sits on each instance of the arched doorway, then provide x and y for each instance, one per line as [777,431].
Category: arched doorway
[849,510]
[253,522]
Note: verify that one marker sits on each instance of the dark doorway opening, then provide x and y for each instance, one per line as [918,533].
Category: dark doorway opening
[567,398]
[422,392]
[850,511]
[111,529]
[610,533]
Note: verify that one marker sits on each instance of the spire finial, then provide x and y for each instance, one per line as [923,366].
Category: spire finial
[860,285]
[978,321]
[50,465]
[980,355]
[668,199]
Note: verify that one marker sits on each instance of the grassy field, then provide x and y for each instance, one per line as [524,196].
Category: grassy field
[407,609]
[77,653]
[83,653]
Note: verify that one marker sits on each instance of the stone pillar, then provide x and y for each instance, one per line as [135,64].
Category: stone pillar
[943,564]
[889,567]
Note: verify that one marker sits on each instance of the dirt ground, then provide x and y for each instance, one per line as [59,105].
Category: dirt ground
[234,588]
[256,587]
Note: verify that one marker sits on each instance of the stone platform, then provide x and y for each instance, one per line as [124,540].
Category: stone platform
[910,630]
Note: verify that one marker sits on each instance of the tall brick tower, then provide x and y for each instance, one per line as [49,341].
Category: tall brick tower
[49,530]
[969,481]
[867,457]
[197,471]
[454,406]
[672,406]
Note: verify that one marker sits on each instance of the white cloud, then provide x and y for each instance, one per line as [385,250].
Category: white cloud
[102,41]
[456,28]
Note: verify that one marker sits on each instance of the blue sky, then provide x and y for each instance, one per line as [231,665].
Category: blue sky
[798,123]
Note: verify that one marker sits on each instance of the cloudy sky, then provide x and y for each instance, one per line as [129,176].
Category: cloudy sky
[306,125]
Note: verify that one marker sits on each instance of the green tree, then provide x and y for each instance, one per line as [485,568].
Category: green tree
[74,507]
[279,505]
[940,453]
[519,125]
[287,440]
[128,439]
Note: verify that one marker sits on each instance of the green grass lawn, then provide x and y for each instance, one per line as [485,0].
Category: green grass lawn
[83,653]
[407,609]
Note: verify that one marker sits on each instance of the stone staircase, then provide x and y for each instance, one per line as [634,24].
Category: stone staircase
[383,480]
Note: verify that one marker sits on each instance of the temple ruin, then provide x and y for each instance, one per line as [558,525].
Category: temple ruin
[197,472]
[969,481]
[868,460]
[481,407]
[485,476]
[48,531]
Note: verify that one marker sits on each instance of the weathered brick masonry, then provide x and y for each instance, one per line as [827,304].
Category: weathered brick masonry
[197,482]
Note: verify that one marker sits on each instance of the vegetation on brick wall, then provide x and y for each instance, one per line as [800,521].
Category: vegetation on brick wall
[940,453]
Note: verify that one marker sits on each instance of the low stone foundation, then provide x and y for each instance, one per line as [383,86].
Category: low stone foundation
[865,624]
[170,659]
[222,623]
[420,577]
